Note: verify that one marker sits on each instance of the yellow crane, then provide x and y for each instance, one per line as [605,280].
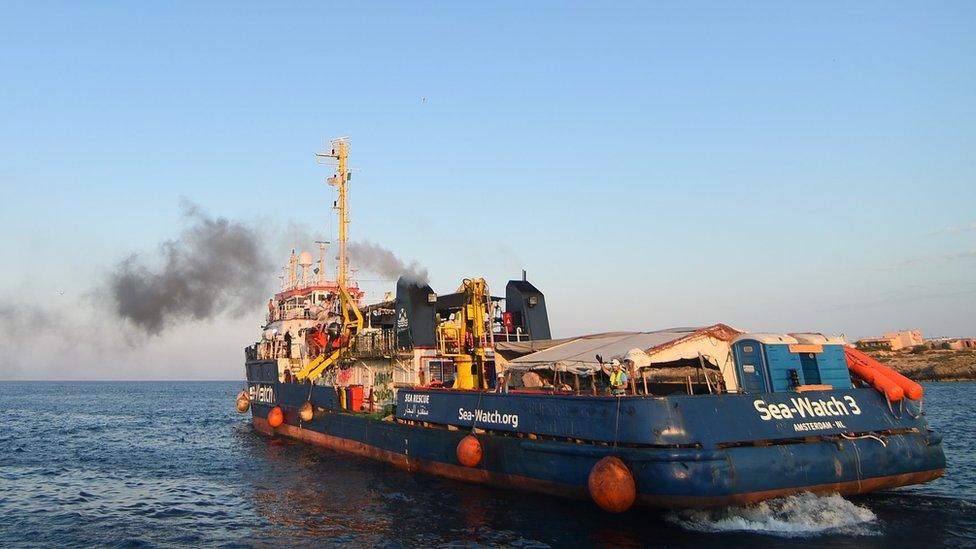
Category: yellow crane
[465,337]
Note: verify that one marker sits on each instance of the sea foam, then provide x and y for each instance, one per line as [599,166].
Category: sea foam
[799,515]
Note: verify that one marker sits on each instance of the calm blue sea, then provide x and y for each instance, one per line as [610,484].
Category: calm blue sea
[150,464]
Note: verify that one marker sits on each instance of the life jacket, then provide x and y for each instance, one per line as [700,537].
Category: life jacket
[616,378]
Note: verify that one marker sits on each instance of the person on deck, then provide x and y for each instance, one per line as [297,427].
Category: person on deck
[307,308]
[618,378]
[316,341]
[500,385]
[333,329]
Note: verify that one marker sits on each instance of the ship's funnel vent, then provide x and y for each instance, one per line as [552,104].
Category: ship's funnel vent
[526,306]
[415,307]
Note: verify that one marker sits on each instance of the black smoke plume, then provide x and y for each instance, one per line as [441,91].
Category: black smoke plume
[379,260]
[215,266]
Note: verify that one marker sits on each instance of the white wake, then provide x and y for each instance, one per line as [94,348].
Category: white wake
[800,515]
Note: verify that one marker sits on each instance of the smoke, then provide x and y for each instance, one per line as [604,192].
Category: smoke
[17,320]
[215,266]
[379,260]
[212,267]
[37,334]
[18,324]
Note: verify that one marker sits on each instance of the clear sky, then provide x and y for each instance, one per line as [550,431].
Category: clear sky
[774,166]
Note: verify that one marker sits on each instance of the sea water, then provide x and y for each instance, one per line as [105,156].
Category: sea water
[172,464]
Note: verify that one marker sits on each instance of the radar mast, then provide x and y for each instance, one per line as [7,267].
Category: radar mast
[340,152]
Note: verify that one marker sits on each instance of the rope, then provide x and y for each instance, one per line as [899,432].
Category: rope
[857,461]
[892,410]
[616,425]
[875,437]
[916,415]
[475,420]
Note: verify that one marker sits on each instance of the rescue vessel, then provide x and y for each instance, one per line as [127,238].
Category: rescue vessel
[472,387]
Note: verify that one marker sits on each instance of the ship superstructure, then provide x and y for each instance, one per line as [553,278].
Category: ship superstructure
[472,386]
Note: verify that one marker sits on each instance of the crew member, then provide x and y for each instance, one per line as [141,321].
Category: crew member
[500,385]
[630,369]
[315,339]
[307,307]
[333,329]
[618,377]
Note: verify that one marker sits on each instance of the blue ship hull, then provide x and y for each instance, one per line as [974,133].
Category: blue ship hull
[682,451]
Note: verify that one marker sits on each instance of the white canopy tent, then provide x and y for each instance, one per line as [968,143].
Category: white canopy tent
[578,355]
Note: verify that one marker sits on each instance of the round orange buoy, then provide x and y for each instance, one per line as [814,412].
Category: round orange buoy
[276,417]
[469,451]
[611,485]
[243,402]
[306,412]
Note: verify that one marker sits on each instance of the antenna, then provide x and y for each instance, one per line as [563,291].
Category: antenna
[292,271]
[340,152]
[305,262]
[320,279]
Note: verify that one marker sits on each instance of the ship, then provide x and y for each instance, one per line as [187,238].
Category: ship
[472,387]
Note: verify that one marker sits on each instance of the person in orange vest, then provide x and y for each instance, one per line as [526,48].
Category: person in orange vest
[319,339]
[333,329]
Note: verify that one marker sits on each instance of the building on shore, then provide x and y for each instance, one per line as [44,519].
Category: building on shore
[951,343]
[892,341]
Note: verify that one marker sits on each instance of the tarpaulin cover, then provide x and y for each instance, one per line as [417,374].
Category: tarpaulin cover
[579,354]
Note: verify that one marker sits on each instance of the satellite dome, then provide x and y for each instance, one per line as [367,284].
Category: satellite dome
[305,259]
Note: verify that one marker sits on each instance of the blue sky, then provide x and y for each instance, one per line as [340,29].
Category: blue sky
[776,167]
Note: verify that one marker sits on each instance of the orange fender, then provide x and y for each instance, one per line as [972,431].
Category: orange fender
[469,451]
[611,485]
[276,417]
[243,402]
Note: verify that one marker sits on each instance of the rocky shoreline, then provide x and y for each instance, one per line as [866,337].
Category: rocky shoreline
[931,365]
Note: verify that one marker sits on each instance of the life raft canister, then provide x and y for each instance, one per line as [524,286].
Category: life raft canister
[469,451]
[612,485]
[276,417]
[243,402]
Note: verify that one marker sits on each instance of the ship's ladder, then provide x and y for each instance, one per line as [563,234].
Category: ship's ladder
[318,365]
